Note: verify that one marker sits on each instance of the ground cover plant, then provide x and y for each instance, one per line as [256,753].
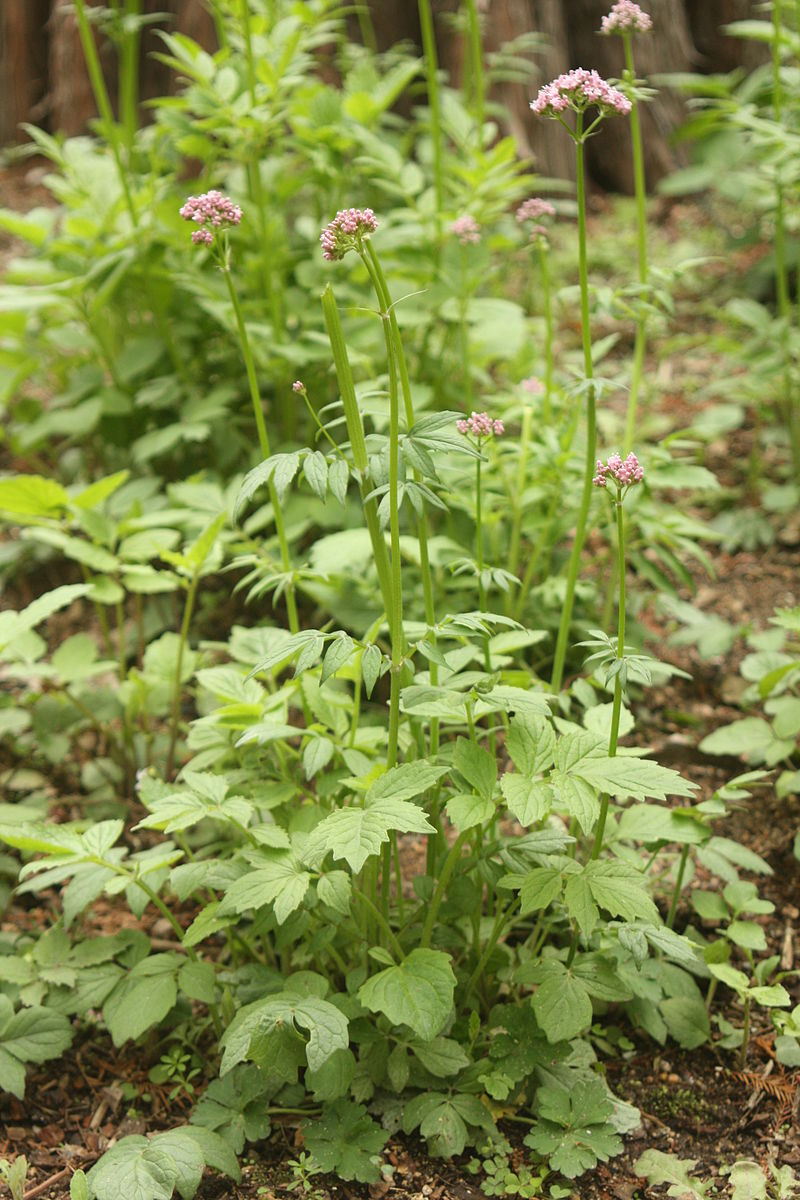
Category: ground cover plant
[355,607]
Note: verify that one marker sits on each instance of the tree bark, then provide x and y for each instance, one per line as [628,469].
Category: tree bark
[23,64]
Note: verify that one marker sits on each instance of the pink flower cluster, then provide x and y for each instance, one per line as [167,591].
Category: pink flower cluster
[466,229]
[626,17]
[211,211]
[534,209]
[579,89]
[298,386]
[480,425]
[532,385]
[346,232]
[625,473]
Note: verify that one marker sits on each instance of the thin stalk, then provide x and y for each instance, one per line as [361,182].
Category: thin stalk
[617,705]
[379,918]
[263,441]
[519,489]
[454,854]
[676,892]
[482,600]
[501,919]
[128,87]
[745,1033]
[188,609]
[435,110]
[544,264]
[476,66]
[640,189]
[591,426]
[366,28]
[358,445]
[103,102]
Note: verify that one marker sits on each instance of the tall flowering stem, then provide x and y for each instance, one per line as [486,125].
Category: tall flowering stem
[477,427]
[476,65]
[622,475]
[579,90]
[214,214]
[534,210]
[435,112]
[625,19]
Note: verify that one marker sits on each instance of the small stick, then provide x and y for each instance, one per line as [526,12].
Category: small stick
[787,949]
[48,1183]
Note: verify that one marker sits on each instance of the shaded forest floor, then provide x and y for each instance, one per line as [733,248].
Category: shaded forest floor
[695,1104]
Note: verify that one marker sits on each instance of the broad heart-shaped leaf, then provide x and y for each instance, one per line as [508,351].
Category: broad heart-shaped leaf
[561,1000]
[417,993]
[660,1168]
[134,1169]
[143,997]
[347,1141]
[356,833]
[687,1020]
[323,1021]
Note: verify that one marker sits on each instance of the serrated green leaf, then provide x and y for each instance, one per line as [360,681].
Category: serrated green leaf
[660,1168]
[621,890]
[324,1023]
[143,998]
[355,834]
[529,800]
[338,654]
[687,1020]
[347,1141]
[371,661]
[315,470]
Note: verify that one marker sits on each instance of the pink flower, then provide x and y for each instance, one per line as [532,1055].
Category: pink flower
[211,211]
[298,386]
[580,89]
[346,232]
[534,209]
[533,385]
[624,474]
[480,425]
[626,17]
[466,229]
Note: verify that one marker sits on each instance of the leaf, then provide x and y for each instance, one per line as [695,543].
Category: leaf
[620,889]
[477,765]
[78,1187]
[324,1023]
[580,903]
[279,470]
[30,1035]
[687,1020]
[529,800]
[32,496]
[574,1129]
[280,881]
[338,654]
[417,993]
[467,810]
[134,1169]
[338,477]
[531,744]
[371,662]
[441,1057]
[233,1107]
[748,1181]
[355,834]
[406,781]
[143,998]
[315,469]
[625,777]
[661,1168]
[540,888]
[561,1002]
[347,1141]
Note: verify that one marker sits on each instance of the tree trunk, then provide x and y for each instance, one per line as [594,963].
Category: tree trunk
[23,64]
[718,51]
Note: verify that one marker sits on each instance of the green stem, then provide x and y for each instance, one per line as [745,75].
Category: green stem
[129,76]
[366,27]
[544,264]
[476,66]
[263,441]
[519,490]
[482,599]
[453,855]
[358,445]
[591,427]
[188,609]
[103,102]
[378,916]
[434,108]
[617,706]
[501,919]
[745,1033]
[640,189]
[678,885]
